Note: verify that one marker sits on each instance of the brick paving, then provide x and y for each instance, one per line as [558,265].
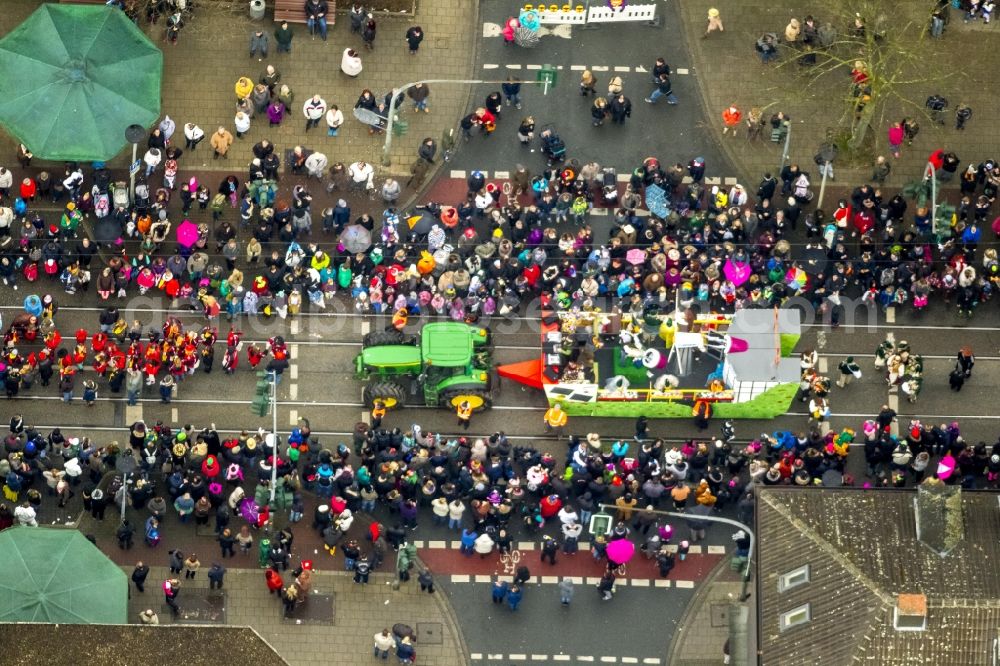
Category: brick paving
[213,52]
[345,639]
[728,70]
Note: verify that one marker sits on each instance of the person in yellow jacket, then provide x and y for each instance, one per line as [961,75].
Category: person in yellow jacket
[464,413]
[399,319]
[555,419]
[378,413]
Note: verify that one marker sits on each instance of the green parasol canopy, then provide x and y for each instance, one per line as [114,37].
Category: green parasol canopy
[73,77]
[56,575]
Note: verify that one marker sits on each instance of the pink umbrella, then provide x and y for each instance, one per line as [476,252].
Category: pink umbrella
[187,233]
[736,272]
[249,510]
[620,551]
[946,467]
[635,256]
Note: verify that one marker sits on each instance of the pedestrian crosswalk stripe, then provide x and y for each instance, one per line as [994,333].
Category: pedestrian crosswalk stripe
[437,544]
[651,660]
[591,580]
[525,545]
[550,579]
[520,656]
[583,658]
[539,657]
[504,175]
[695,550]
[513,67]
[661,583]
[609,660]
[599,68]
[533,66]
[418,544]
[577,68]
[561,657]
[716,550]
[483,579]
[491,66]
[476,656]
[630,660]
[456,544]
[682,70]
[623,69]
[640,582]
[460,578]
[685,584]
[458,174]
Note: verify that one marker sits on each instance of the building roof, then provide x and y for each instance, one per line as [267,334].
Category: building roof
[862,551]
[30,644]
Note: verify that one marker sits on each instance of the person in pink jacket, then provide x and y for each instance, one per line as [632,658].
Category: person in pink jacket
[895,138]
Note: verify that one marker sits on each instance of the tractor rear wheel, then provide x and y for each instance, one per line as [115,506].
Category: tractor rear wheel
[478,399]
[392,337]
[391,395]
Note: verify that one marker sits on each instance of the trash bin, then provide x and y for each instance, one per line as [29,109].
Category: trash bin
[257,9]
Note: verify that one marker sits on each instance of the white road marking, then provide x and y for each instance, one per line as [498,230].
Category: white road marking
[729,180]
[513,66]
[630,660]
[599,68]
[577,68]
[539,657]
[293,389]
[619,68]
[681,70]
[366,418]
[716,550]
[822,366]
[609,660]
[133,413]
[651,660]
[456,544]
[661,583]
[366,327]
[685,584]
[293,372]
[483,579]
[491,66]
[476,656]
[624,177]
[501,174]
[293,417]
[695,550]
[713,180]
[561,657]
[584,658]
[460,578]
[593,580]
[550,580]
[525,545]
[890,315]
[437,544]
[640,69]
[640,582]
[293,351]
[533,66]
[418,544]
[295,326]
[173,415]
[517,656]
[458,173]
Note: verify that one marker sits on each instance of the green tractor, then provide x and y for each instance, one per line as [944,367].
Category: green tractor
[448,362]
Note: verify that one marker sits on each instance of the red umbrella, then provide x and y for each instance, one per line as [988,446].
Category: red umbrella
[187,233]
[996,226]
[449,216]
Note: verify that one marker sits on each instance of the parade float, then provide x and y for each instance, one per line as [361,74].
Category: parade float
[660,365]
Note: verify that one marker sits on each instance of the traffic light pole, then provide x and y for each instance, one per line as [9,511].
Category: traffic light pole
[744,593]
[274,434]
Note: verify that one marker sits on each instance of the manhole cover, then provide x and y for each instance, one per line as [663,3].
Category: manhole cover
[429,633]
[720,615]
[317,609]
[438,43]
[199,607]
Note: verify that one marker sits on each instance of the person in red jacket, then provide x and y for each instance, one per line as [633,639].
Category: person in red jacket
[28,189]
[273,579]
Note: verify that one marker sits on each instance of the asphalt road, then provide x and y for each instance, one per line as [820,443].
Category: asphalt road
[671,133]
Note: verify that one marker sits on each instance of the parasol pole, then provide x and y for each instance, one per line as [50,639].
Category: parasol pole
[777,342]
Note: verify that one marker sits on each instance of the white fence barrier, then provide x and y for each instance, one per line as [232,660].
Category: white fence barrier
[629,13]
[571,17]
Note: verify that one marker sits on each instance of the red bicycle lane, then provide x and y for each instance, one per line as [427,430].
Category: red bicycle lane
[451,562]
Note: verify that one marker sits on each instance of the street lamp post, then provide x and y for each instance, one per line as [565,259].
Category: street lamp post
[133,134]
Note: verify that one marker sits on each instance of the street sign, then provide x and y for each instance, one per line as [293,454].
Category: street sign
[134,169]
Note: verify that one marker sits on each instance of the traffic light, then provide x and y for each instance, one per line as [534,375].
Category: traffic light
[262,400]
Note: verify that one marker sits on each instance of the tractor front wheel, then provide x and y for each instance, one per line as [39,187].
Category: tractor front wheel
[479,400]
[391,395]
